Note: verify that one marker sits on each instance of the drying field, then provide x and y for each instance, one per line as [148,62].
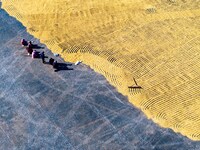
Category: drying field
[155,42]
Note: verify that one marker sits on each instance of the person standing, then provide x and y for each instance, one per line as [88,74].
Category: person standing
[24,42]
[34,54]
[43,57]
[29,50]
[55,64]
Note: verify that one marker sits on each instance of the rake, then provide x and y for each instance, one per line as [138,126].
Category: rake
[135,89]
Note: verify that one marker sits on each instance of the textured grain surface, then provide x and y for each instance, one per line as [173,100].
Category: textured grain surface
[155,42]
[69,109]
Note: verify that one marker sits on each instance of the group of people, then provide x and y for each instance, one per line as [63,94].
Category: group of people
[35,54]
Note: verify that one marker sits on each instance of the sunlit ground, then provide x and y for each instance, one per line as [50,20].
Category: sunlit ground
[156,43]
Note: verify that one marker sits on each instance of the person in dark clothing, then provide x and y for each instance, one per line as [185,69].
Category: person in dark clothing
[29,49]
[24,42]
[55,64]
[34,54]
[42,56]
[51,60]
[30,44]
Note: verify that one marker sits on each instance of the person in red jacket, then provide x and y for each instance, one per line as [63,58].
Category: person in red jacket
[24,42]
[29,49]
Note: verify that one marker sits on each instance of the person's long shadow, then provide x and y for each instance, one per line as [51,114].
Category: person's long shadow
[63,66]
[35,46]
[38,56]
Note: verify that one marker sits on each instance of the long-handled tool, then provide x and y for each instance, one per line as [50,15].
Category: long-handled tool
[135,89]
